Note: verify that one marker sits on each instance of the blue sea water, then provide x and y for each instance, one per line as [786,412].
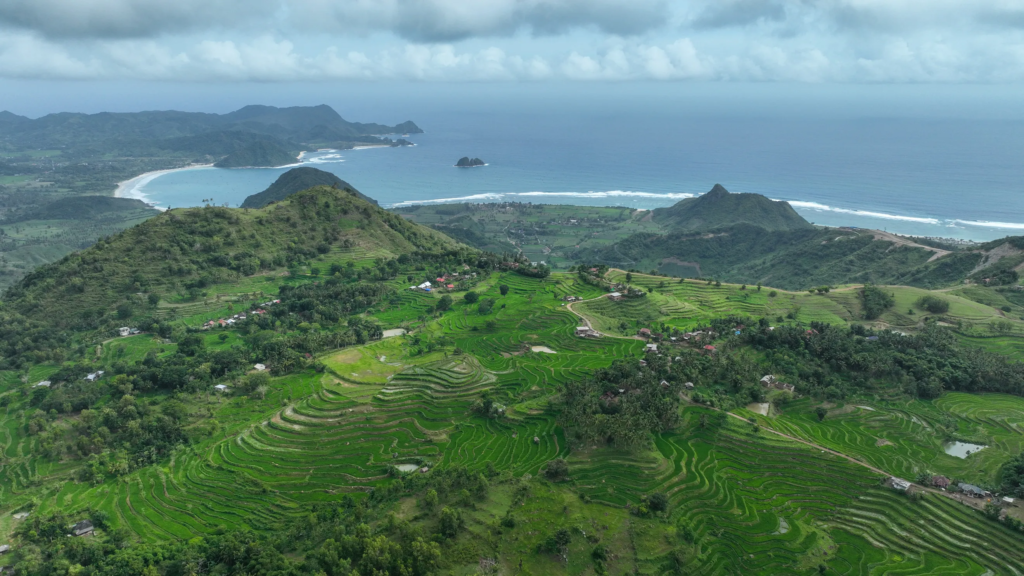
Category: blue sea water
[926,176]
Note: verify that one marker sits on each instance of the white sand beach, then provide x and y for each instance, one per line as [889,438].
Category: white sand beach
[132,188]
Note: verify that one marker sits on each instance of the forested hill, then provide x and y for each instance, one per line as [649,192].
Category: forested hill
[298,179]
[183,251]
[215,135]
[719,208]
[794,259]
[261,153]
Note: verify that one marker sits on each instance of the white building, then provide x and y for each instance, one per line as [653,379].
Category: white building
[260,367]
[220,388]
[124,330]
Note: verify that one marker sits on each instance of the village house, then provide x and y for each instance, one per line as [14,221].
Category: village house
[615,296]
[1007,501]
[651,348]
[124,330]
[587,332]
[94,376]
[220,388]
[972,490]
[940,482]
[44,384]
[767,380]
[709,349]
[688,385]
[4,549]
[259,367]
[645,332]
[83,528]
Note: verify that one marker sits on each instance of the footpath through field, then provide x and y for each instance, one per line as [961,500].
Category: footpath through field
[972,502]
[587,320]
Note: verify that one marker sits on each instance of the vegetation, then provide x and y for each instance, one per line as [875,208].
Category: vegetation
[876,301]
[297,180]
[357,426]
[257,154]
[721,209]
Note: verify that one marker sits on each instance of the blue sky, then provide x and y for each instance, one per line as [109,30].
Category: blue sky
[271,41]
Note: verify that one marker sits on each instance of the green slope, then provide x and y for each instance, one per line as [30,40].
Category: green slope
[86,208]
[719,208]
[188,249]
[298,179]
[261,153]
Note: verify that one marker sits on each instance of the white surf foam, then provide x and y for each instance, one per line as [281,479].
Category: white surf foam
[866,213]
[982,223]
[474,197]
[611,194]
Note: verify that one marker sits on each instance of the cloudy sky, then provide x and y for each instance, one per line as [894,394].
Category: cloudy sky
[271,41]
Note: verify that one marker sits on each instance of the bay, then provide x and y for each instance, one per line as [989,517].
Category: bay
[947,177]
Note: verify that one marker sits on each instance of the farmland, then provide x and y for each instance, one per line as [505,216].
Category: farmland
[358,419]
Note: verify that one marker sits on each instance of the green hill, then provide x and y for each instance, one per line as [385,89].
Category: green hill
[719,208]
[793,259]
[86,208]
[298,179]
[262,153]
[183,251]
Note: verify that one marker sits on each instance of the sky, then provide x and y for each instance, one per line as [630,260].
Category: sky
[941,42]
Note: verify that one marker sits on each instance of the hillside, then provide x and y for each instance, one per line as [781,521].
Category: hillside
[296,180]
[719,208]
[183,251]
[301,124]
[262,154]
[85,208]
[795,260]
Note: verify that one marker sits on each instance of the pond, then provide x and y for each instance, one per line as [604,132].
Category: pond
[543,349]
[759,408]
[961,449]
[393,332]
[407,467]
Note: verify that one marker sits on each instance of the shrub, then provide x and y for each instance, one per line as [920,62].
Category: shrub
[875,301]
[821,412]
[933,304]
[557,470]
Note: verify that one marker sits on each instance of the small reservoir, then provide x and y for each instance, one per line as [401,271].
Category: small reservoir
[961,449]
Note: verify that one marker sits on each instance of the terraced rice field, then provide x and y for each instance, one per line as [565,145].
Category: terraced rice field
[757,504]
[735,489]
[902,437]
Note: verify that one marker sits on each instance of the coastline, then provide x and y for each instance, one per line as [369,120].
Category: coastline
[131,188]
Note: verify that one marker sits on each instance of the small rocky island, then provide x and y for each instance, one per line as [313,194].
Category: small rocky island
[467,162]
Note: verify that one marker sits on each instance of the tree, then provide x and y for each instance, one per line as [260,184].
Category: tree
[658,502]
[629,277]
[430,499]
[821,411]
[485,306]
[444,303]
[451,522]
[504,289]
[557,470]
[471,297]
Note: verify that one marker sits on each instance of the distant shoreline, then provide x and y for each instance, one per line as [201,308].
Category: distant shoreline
[130,188]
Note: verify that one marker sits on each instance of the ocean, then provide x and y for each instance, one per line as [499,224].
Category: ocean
[927,176]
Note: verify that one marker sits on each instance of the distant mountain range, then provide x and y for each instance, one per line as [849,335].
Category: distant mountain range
[215,135]
[297,180]
[719,208]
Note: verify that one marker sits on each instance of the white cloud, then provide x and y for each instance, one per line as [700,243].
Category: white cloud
[515,40]
[418,20]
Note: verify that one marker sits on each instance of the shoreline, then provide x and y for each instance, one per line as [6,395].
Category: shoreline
[130,188]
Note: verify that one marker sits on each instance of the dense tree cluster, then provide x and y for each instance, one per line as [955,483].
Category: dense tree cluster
[621,405]
[875,301]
